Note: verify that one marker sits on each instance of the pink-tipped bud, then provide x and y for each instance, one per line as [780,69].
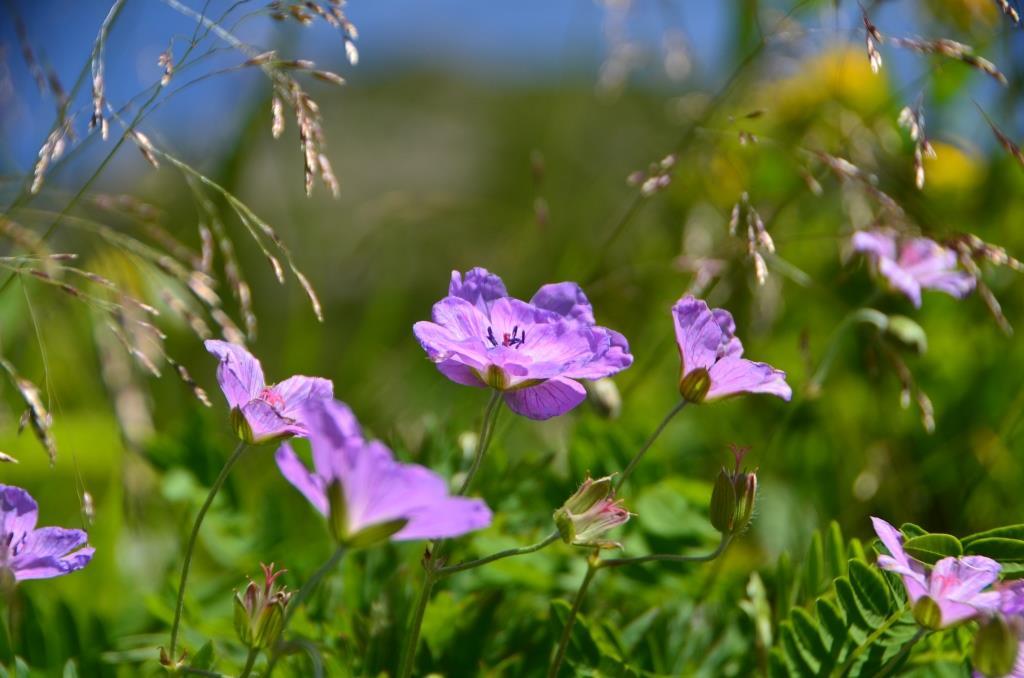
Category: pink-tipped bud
[260,610]
[733,498]
[590,512]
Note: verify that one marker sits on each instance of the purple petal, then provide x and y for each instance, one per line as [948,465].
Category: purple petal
[51,541]
[239,373]
[18,512]
[566,299]
[451,517]
[610,354]
[699,335]
[956,284]
[879,243]
[733,347]
[901,280]
[912,572]
[48,566]
[267,424]
[296,473]
[953,612]
[459,373]
[296,392]
[333,431]
[732,376]
[549,399]
[480,287]
[962,579]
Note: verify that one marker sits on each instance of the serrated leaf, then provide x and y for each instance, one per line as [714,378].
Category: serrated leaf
[1005,532]
[806,632]
[930,548]
[871,589]
[835,551]
[815,568]
[998,548]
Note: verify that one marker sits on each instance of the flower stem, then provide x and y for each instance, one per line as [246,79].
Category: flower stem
[593,565]
[484,439]
[307,588]
[891,665]
[190,549]
[668,557]
[413,636]
[508,553]
[647,445]
[250,661]
[860,649]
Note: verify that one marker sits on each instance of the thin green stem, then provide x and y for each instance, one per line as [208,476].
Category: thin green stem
[563,643]
[307,588]
[190,549]
[508,553]
[484,439]
[250,661]
[647,445]
[668,557]
[413,636]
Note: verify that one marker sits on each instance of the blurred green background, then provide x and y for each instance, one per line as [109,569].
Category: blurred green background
[441,170]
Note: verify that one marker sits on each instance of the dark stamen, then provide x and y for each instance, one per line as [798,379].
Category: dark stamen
[490,337]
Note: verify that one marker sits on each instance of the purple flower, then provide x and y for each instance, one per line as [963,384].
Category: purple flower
[711,359]
[914,264]
[365,494]
[30,553]
[955,587]
[262,412]
[533,352]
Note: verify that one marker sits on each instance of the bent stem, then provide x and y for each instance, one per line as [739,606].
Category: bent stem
[307,588]
[647,445]
[593,565]
[190,549]
[508,553]
[250,661]
[484,439]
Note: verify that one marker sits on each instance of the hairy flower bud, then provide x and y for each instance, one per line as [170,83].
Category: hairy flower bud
[590,512]
[260,610]
[733,497]
[694,385]
[995,647]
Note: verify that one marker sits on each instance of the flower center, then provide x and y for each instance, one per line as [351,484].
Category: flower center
[272,398]
[514,340]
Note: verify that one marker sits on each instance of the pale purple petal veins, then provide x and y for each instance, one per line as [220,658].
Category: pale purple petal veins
[332,430]
[733,376]
[480,287]
[49,566]
[295,472]
[567,299]
[549,399]
[239,372]
[698,334]
[441,344]
[296,392]
[609,355]
[956,284]
[954,612]
[450,517]
[461,319]
[18,511]
[267,424]
[460,373]
[962,578]
[879,243]
[51,541]
[388,490]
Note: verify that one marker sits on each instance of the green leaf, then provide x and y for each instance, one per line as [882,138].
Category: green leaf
[815,571]
[848,600]
[999,548]
[911,530]
[930,548]
[70,669]
[835,550]
[663,511]
[871,589]
[1005,532]
[203,659]
[800,662]
[807,634]
[831,624]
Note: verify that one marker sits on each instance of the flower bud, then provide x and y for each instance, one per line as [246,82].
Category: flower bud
[722,511]
[605,397]
[241,426]
[908,332]
[995,647]
[927,613]
[733,497]
[694,385]
[590,512]
[260,610]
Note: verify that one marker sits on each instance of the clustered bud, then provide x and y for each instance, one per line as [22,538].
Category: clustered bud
[260,610]
[589,513]
[733,497]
